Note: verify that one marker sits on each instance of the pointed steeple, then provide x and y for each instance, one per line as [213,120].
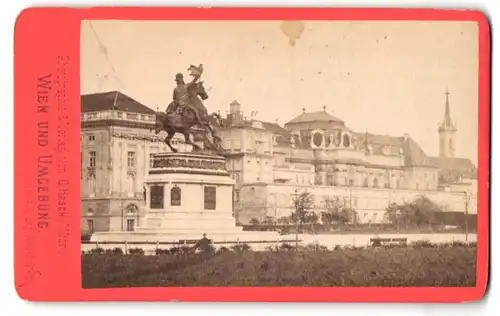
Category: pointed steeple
[447,132]
[447,121]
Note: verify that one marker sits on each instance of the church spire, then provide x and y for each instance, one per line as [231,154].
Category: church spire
[447,132]
[447,121]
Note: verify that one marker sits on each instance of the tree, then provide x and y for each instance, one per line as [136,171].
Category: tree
[421,211]
[302,204]
[269,220]
[285,220]
[337,212]
[254,221]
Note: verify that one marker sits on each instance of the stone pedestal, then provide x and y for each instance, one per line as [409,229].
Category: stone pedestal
[187,195]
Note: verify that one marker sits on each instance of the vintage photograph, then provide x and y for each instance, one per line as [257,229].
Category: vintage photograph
[278,153]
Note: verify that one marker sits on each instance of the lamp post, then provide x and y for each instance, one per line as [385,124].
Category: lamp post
[296,206]
[466,201]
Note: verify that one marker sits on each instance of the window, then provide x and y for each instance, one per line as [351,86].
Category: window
[131,210]
[175,196]
[210,198]
[375,182]
[131,159]
[130,225]
[91,137]
[365,182]
[92,159]
[130,184]
[351,182]
[346,141]
[236,195]
[90,225]
[329,179]
[151,160]
[156,197]
[91,180]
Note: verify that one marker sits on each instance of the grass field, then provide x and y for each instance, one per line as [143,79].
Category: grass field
[411,266]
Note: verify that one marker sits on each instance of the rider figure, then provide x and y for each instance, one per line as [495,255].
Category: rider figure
[181,95]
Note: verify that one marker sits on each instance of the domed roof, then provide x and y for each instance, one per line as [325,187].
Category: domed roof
[310,117]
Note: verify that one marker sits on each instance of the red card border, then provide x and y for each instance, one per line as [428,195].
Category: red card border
[46,272]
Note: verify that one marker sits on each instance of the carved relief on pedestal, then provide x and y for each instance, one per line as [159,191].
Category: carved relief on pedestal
[188,163]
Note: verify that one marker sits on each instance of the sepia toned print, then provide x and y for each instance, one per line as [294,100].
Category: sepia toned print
[278,153]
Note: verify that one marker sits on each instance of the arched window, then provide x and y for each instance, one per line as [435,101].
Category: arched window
[346,141]
[131,210]
[175,196]
[317,139]
[90,211]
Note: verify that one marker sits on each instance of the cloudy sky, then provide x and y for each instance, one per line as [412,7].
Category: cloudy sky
[384,77]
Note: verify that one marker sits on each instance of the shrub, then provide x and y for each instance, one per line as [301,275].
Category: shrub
[313,247]
[223,250]
[96,251]
[162,252]
[136,251]
[241,247]
[286,247]
[422,244]
[114,251]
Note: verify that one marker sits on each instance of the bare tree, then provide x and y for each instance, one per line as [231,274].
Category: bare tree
[337,212]
[303,205]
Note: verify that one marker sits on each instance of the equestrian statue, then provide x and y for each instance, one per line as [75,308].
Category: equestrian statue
[186,112]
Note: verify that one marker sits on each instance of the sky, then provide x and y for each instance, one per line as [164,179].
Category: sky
[381,77]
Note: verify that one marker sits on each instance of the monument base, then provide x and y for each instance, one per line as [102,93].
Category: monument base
[188,195]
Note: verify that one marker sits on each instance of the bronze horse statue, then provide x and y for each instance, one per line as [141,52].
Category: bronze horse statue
[182,121]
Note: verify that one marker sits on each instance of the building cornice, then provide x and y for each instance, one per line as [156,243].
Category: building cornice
[118,123]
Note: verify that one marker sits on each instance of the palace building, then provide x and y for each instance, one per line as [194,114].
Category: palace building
[117,146]
[270,163]
[319,153]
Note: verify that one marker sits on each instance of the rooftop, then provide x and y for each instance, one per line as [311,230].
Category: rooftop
[310,117]
[112,100]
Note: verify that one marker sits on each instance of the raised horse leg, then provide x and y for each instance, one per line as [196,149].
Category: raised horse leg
[168,139]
